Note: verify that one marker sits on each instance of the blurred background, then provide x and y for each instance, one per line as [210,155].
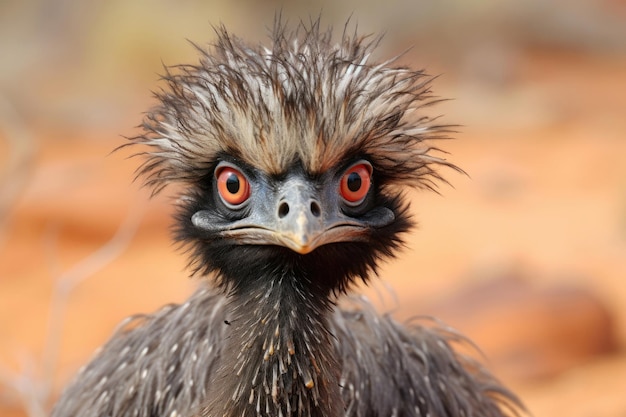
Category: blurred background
[526,255]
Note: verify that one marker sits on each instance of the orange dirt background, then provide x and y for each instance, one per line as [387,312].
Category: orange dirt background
[526,256]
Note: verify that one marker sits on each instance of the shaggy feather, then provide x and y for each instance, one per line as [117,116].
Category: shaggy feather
[302,98]
[161,365]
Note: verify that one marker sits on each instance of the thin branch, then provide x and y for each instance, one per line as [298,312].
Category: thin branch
[69,280]
[16,172]
[33,384]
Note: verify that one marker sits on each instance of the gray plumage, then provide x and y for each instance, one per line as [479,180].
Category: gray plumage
[292,159]
[161,364]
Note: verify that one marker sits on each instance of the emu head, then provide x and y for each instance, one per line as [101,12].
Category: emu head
[292,156]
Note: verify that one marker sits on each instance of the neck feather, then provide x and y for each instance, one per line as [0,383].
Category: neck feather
[279,358]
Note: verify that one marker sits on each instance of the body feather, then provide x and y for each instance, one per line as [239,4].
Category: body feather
[160,365]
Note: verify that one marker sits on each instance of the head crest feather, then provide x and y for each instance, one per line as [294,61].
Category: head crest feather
[303,98]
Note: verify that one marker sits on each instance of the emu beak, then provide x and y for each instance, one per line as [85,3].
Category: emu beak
[299,222]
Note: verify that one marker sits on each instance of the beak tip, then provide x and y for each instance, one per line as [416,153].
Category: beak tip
[302,245]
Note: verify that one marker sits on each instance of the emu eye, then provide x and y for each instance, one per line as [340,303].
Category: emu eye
[232,186]
[356,182]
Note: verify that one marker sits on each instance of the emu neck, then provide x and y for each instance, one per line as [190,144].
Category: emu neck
[279,359]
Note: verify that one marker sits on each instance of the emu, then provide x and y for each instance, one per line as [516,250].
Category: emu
[293,158]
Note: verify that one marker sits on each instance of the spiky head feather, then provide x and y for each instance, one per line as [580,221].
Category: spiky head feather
[303,98]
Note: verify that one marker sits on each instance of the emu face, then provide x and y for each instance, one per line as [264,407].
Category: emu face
[327,228]
[298,212]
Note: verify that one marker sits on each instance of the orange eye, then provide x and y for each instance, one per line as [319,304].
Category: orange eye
[232,186]
[356,182]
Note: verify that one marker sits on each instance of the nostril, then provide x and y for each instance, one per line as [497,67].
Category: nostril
[283,210]
[315,209]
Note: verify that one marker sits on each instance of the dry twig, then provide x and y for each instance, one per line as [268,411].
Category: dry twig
[33,384]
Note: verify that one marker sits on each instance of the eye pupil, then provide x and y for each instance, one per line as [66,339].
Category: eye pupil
[354,181]
[232,184]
